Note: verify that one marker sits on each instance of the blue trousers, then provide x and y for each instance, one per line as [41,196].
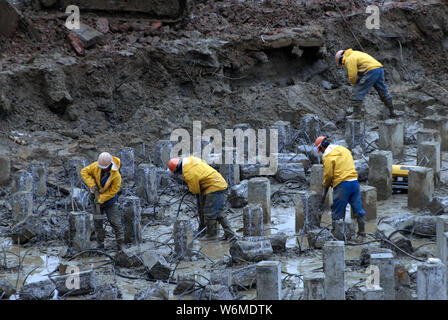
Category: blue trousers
[346,192]
[373,78]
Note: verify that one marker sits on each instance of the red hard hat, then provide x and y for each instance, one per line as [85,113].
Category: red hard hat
[319,141]
[173,163]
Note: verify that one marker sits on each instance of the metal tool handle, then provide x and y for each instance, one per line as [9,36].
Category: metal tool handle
[97,206]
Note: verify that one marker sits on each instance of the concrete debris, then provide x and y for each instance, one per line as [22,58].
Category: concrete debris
[80,230]
[366,252]
[221,277]
[156,266]
[290,172]
[307,210]
[88,36]
[294,158]
[238,194]
[131,257]
[41,290]
[399,240]
[310,152]
[285,135]
[317,237]
[314,287]
[155,292]
[6,289]
[362,167]
[25,230]
[277,240]
[79,197]
[106,292]
[244,278]
[374,293]
[216,292]
[88,282]
[438,205]
[403,290]
[254,249]
[184,283]
[421,225]
[161,154]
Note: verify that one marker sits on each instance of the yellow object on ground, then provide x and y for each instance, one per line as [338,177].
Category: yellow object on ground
[401,170]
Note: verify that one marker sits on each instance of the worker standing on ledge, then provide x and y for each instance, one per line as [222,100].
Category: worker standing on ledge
[211,187]
[104,181]
[340,173]
[364,71]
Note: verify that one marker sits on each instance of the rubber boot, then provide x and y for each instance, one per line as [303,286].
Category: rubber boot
[388,110]
[361,226]
[228,232]
[357,110]
[100,234]
[120,244]
[390,105]
[212,230]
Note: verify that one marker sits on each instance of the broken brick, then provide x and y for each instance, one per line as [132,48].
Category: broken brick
[157,24]
[76,44]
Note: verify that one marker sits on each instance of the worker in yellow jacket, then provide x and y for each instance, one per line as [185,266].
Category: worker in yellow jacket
[340,173]
[365,72]
[210,186]
[104,181]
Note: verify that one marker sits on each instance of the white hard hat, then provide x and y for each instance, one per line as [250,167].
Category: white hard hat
[338,57]
[104,160]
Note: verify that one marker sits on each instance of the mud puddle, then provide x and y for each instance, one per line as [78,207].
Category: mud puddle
[40,261]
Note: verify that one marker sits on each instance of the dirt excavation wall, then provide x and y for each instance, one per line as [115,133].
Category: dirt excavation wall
[9,19]
[138,70]
[280,74]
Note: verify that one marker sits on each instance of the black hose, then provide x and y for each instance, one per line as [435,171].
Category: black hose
[410,231]
[180,203]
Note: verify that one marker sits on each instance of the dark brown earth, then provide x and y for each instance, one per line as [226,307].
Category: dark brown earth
[223,63]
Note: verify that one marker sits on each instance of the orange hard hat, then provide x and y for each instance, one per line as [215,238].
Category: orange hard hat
[318,143]
[338,57]
[173,163]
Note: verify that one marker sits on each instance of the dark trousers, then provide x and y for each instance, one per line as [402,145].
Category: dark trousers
[113,215]
[212,211]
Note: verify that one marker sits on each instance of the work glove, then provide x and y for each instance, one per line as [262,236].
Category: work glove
[96,201]
[94,189]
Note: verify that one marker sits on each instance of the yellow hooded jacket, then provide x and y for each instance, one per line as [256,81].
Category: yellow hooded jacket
[200,177]
[91,176]
[338,166]
[358,63]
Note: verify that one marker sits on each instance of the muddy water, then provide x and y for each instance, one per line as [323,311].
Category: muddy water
[40,261]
